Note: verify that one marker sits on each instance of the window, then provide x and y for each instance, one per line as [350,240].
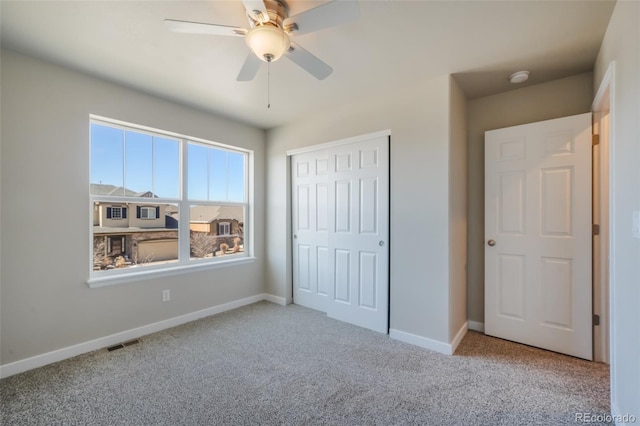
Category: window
[188,199]
[148,212]
[224,228]
[116,212]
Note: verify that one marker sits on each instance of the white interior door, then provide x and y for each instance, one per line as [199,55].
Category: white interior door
[340,200]
[538,229]
[310,216]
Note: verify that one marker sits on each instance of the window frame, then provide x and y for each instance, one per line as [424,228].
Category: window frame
[184,263]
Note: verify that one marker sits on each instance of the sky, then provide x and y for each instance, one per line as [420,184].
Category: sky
[141,162]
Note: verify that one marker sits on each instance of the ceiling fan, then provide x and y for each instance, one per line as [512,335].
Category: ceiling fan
[271,30]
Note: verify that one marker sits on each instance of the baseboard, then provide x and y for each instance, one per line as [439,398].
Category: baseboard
[113,339]
[459,336]
[476,326]
[423,342]
[619,418]
[275,299]
[615,412]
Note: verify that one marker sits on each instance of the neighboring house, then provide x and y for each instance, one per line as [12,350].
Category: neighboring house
[139,232]
[227,221]
[148,232]
[223,224]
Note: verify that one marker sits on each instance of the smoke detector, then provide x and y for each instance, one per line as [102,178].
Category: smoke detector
[519,77]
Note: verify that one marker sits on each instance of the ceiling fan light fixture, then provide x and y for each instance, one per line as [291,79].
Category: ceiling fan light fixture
[268,42]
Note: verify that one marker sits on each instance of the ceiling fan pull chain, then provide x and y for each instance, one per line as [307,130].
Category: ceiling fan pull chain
[269,85]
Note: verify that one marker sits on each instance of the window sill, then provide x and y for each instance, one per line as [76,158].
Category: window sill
[96,282]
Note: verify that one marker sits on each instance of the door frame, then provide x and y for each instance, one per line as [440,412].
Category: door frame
[289,206]
[603,338]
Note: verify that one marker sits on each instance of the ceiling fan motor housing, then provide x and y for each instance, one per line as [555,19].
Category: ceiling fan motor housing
[277,10]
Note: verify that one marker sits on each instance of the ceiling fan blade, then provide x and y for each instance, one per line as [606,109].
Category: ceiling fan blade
[256,9]
[249,68]
[202,28]
[334,13]
[308,62]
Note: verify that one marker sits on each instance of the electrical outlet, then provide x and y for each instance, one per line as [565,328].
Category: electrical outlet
[635,230]
[166,295]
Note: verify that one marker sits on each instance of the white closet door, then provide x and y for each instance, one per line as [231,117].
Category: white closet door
[538,234]
[341,231]
[310,195]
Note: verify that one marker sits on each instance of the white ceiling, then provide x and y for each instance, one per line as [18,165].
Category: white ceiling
[394,44]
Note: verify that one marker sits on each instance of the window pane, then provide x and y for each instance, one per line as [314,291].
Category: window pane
[216,230]
[106,160]
[236,177]
[217,175]
[197,164]
[138,164]
[124,236]
[166,167]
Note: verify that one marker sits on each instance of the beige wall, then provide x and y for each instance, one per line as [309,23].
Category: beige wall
[622,45]
[96,215]
[114,223]
[457,209]
[200,227]
[559,98]
[418,118]
[159,222]
[45,154]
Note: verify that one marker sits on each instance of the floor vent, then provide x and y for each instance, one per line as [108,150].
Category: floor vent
[123,345]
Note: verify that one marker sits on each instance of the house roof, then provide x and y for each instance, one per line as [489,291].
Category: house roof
[105,189]
[207,214]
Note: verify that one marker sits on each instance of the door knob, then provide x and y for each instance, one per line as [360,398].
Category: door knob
[491,242]
[295,237]
[381,243]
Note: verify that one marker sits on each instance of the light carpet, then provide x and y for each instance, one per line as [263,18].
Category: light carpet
[287,365]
